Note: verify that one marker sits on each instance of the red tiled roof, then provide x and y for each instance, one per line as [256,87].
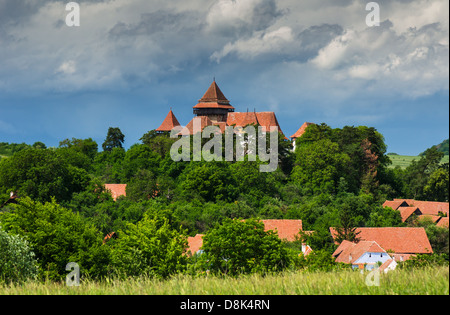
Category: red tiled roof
[301,131]
[406,212]
[400,240]
[202,121]
[443,222]
[214,94]
[395,204]
[287,229]
[349,252]
[214,98]
[195,243]
[169,123]
[117,190]
[268,119]
[427,207]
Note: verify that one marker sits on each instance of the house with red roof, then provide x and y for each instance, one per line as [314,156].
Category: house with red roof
[400,242]
[364,255]
[412,209]
[116,190]
[286,229]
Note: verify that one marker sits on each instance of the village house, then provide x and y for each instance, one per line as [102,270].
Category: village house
[364,255]
[400,242]
[414,209]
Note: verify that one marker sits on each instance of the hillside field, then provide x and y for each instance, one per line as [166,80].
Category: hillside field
[404,161]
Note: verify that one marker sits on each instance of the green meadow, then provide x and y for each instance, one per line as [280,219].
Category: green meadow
[426,281]
[404,160]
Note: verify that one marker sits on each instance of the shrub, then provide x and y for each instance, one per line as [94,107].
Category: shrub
[58,237]
[17,261]
[150,247]
[243,247]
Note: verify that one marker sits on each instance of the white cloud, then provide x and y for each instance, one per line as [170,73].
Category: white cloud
[68,67]
[261,43]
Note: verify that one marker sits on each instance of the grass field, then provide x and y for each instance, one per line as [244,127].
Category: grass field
[433,281]
[404,161]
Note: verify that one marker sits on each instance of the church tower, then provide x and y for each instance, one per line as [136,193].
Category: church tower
[214,105]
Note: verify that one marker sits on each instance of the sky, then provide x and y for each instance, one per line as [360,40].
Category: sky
[131,61]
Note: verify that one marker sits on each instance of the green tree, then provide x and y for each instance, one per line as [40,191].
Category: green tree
[114,139]
[159,143]
[58,236]
[242,247]
[142,186]
[41,174]
[437,186]
[86,146]
[209,181]
[150,247]
[318,166]
[17,260]
[417,174]
[346,228]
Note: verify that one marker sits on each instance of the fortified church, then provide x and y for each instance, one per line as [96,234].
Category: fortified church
[214,109]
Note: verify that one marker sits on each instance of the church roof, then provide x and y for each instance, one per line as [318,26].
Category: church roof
[214,98]
[169,123]
[214,94]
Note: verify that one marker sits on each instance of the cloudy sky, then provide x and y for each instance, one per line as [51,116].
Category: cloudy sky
[130,61]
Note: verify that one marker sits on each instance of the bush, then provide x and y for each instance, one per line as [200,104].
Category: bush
[151,248]
[243,247]
[425,260]
[17,261]
[58,237]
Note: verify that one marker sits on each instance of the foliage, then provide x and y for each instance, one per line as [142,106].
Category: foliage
[209,181]
[338,177]
[424,260]
[321,260]
[318,165]
[242,247]
[114,139]
[41,174]
[58,237]
[150,247]
[17,260]
[441,147]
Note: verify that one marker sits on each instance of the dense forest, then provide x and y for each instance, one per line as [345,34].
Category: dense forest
[335,178]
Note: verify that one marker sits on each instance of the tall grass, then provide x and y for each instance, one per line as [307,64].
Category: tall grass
[431,281]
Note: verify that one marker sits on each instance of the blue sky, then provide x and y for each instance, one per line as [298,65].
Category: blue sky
[129,62]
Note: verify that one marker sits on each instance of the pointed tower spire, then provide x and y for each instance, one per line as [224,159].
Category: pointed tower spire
[214,95]
[169,123]
[214,104]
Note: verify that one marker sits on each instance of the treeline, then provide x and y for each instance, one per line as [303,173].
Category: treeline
[336,178]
